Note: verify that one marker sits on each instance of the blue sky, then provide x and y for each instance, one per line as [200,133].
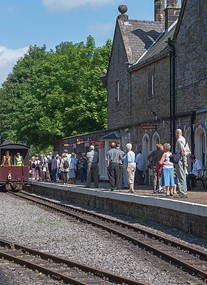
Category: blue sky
[50,22]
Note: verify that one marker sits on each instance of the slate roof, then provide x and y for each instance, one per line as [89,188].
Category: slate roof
[113,135]
[138,36]
[160,47]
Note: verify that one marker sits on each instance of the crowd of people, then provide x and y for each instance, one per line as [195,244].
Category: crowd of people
[123,168]
[170,170]
[54,167]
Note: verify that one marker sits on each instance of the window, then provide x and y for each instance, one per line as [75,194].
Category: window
[155,140]
[151,85]
[117,91]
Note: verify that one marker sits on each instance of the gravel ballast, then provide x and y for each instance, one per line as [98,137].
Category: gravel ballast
[30,225]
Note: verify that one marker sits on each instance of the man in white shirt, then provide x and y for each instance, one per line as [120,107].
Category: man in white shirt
[196,172]
[180,167]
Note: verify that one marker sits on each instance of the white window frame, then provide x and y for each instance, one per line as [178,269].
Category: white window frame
[153,85]
[118,90]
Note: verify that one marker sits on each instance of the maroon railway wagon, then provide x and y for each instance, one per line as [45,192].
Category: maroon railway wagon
[13,177]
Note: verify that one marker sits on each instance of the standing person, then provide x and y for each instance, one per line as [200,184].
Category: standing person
[83,168]
[113,158]
[69,157]
[167,178]
[125,180]
[182,164]
[41,167]
[64,166]
[196,172]
[49,161]
[120,175]
[140,168]
[18,160]
[131,167]
[58,167]
[32,167]
[72,168]
[6,161]
[37,168]
[154,157]
[92,167]
[54,169]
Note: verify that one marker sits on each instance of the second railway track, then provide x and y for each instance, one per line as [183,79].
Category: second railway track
[60,269]
[188,258]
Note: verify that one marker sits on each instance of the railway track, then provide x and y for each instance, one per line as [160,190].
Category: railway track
[60,269]
[187,258]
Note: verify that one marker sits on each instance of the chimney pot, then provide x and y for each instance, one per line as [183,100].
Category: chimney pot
[172,3]
[159,6]
[172,13]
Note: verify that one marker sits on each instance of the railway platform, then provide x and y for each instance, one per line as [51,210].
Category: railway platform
[188,215]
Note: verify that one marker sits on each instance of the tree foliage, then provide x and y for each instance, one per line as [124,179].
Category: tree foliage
[54,94]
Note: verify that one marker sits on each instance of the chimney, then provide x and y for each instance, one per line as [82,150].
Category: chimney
[159,10]
[172,13]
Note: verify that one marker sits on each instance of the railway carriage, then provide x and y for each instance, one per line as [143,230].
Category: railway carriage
[13,175]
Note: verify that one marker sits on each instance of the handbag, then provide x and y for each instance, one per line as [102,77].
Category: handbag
[175,157]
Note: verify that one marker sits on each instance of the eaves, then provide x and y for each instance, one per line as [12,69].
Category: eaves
[148,61]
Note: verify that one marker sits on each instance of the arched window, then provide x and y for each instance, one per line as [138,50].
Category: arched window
[155,140]
[200,144]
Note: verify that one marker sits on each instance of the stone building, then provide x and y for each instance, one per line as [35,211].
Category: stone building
[157,81]
[156,78]
[190,41]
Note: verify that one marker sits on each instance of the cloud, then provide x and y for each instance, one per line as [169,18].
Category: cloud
[65,5]
[101,29]
[8,58]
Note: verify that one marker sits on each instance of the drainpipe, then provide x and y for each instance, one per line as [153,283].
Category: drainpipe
[192,122]
[172,93]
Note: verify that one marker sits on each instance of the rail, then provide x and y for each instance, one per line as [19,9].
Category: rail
[187,257]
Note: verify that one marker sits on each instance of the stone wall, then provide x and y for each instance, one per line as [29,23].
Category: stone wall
[118,111]
[191,58]
[148,207]
[143,103]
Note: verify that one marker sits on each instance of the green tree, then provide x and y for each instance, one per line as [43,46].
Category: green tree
[54,94]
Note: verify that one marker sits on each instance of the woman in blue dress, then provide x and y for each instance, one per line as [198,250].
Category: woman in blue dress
[167,178]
